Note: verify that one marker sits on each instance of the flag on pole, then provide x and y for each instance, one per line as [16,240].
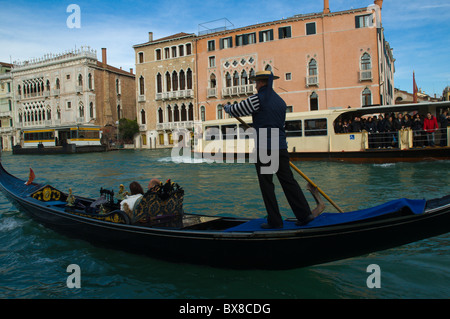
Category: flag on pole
[31,177]
[415,90]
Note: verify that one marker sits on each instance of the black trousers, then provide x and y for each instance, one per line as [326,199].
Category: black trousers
[291,189]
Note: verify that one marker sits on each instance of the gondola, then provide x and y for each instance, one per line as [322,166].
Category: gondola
[229,242]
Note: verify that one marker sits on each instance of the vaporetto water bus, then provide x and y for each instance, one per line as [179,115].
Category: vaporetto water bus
[322,135]
[68,139]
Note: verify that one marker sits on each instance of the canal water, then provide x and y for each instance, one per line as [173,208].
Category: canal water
[34,259]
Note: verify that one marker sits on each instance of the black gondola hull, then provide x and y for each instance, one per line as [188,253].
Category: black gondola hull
[263,250]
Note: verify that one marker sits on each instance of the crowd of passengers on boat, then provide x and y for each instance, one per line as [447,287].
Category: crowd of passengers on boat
[384,130]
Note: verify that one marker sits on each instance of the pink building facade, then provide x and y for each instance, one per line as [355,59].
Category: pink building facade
[324,60]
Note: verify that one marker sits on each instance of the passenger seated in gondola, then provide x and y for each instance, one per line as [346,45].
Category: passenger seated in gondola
[129,202]
[161,204]
[154,182]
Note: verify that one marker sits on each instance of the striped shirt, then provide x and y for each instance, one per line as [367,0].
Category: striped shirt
[244,108]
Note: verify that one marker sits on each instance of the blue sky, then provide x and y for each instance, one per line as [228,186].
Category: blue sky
[418,31]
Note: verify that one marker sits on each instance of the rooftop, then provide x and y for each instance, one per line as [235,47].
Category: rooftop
[175,36]
[84,51]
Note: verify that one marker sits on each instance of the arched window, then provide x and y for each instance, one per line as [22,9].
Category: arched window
[48,85]
[182,80]
[366,63]
[141,85]
[90,82]
[176,114]
[190,112]
[244,78]
[312,79]
[268,67]
[160,115]
[143,117]
[117,86]
[219,112]
[366,97]
[189,79]
[91,110]
[174,81]
[158,83]
[119,112]
[183,113]
[235,78]
[312,67]
[202,113]
[252,73]
[228,80]
[168,82]
[57,84]
[212,81]
[313,102]
[81,109]
[80,80]
[169,113]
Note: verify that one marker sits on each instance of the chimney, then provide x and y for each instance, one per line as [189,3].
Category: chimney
[379,3]
[326,6]
[131,70]
[150,36]
[104,56]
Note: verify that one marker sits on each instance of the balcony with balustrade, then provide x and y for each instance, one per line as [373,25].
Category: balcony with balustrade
[175,95]
[365,75]
[312,80]
[175,125]
[239,90]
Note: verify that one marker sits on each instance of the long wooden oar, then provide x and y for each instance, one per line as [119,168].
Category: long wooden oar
[301,174]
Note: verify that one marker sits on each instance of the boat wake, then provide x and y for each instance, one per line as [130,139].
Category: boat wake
[184,160]
[385,165]
[8,224]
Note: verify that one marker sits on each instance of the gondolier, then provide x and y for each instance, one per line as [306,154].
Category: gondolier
[269,112]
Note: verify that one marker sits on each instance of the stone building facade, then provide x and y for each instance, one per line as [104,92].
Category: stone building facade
[115,93]
[165,88]
[6,107]
[71,89]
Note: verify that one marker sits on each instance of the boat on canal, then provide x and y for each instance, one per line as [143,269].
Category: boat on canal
[159,227]
[60,140]
[316,135]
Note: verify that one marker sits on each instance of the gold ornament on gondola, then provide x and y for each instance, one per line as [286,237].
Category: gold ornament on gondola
[47,194]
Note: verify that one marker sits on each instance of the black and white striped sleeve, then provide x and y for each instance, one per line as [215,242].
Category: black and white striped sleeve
[244,108]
